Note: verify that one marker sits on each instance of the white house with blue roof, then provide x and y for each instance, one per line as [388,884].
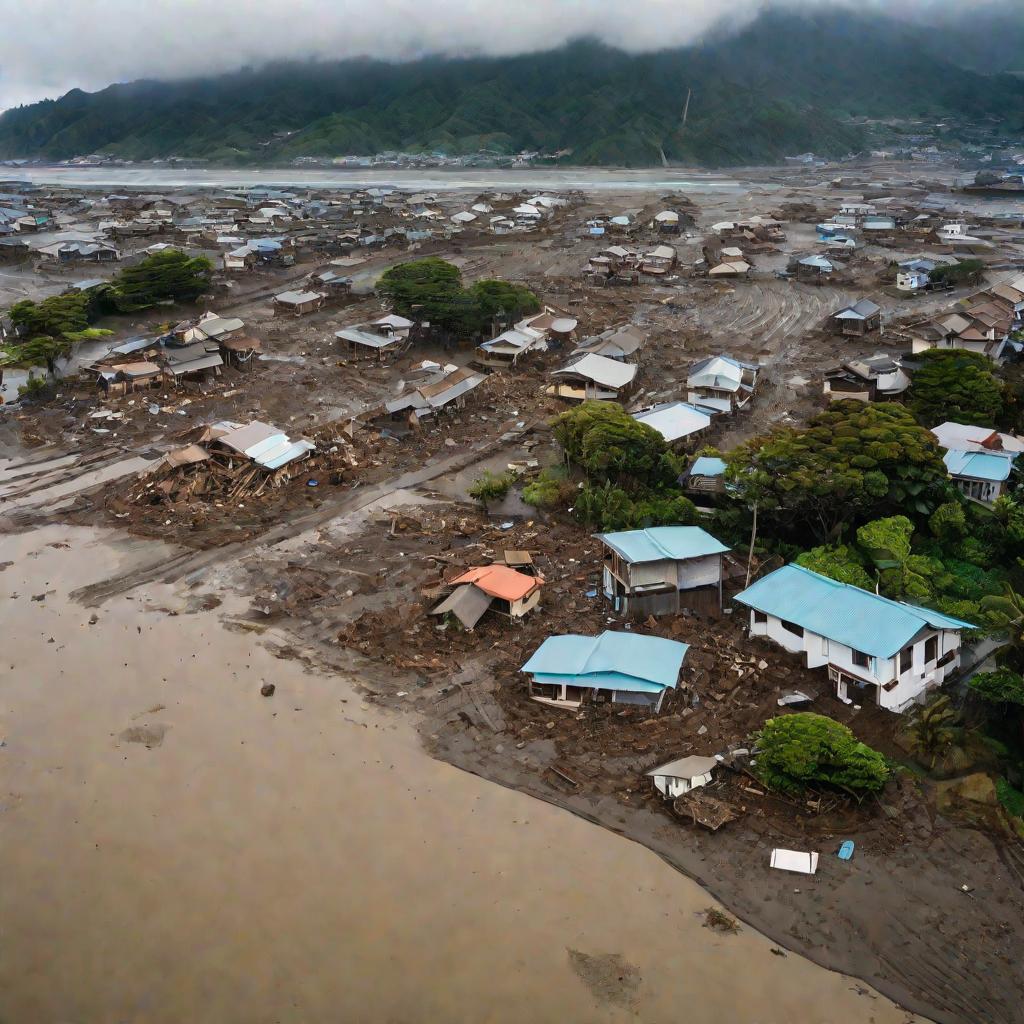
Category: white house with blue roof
[981,476]
[876,650]
[647,571]
[625,668]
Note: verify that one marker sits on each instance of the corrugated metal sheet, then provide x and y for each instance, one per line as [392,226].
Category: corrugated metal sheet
[663,542]
[613,660]
[857,618]
[978,465]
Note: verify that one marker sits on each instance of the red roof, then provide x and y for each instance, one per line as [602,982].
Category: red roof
[500,581]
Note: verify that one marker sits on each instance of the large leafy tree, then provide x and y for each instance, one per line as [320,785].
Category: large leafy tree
[955,385]
[852,463]
[805,749]
[609,445]
[431,290]
[53,316]
[167,276]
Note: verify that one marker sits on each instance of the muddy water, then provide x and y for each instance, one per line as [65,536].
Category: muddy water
[298,858]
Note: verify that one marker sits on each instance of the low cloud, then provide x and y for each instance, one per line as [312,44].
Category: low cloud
[51,46]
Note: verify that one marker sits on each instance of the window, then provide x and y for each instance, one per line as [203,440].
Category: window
[860,659]
[931,649]
[792,627]
[760,618]
[906,659]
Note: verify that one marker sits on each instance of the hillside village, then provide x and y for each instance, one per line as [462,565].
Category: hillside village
[620,494]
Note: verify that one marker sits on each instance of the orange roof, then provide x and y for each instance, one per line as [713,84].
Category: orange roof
[500,581]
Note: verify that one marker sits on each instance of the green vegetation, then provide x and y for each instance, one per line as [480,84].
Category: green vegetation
[49,329]
[964,272]
[167,276]
[787,83]
[431,290]
[851,464]
[805,749]
[1011,799]
[551,489]
[958,386]
[632,476]
[32,388]
[491,487]
[936,734]
[954,575]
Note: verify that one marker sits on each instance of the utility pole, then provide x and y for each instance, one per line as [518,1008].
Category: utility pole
[686,108]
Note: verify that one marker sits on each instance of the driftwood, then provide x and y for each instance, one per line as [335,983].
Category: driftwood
[704,810]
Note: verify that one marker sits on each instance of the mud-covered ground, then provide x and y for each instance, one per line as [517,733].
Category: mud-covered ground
[346,557]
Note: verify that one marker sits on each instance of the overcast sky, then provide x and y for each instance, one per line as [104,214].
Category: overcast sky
[50,46]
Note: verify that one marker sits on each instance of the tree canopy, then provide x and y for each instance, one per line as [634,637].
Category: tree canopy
[431,290]
[795,751]
[852,463]
[53,316]
[951,384]
[169,275]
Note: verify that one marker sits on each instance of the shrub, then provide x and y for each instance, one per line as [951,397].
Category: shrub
[491,487]
[805,748]
[551,489]
[33,387]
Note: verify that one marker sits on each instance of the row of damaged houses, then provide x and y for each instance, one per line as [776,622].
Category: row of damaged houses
[193,350]
[874,650]
[984,323]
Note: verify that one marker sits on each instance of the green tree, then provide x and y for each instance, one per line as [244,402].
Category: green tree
[795,751]
[964,272]
[503,300]
[839,562]
[52,317]
[431,290]
[934,731]
[166,276]
[948,522]
[951,384]
[491,487]
[850,464]
[609,445]
[1001,687]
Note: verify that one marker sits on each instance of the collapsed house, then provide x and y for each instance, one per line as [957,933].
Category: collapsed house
[625,668]
[722,384]
[498,588]
[875,379]
[647,572]
[682,775]
[228,461]
[533,333]
[622,343]
[387,336]
[444,390]
[592,377]
[876,650]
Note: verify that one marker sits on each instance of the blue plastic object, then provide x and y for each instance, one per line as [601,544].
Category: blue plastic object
[846,850]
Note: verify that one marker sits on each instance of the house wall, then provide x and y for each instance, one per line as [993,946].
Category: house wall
[985,491]
[669,786]
[523,605]
[820,651]
[699,572]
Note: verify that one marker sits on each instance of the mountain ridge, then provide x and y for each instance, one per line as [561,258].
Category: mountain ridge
[785,84]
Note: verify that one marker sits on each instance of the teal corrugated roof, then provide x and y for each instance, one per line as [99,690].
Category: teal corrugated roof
[978,465]
[861,620]
[663,542]
[706,465]
[618,661]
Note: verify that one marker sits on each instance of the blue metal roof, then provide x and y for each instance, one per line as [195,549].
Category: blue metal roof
[707,465]
[611,661]
[864,621]
[978,465]
[663,542]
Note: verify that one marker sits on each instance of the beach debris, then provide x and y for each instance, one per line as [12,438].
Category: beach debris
[719,921]
[267,690]
[845,850]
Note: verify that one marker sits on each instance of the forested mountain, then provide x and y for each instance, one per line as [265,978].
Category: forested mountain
[788,83]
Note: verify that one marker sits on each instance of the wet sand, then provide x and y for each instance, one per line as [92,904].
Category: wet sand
[300,858]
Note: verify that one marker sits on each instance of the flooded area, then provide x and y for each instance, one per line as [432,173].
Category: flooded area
[177,847]
[590,178]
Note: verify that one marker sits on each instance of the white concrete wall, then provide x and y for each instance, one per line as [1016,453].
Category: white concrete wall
[672,787]
[820,651]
